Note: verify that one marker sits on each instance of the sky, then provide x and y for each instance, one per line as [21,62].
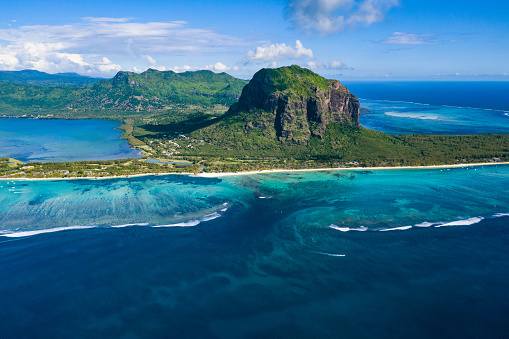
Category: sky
[350,39]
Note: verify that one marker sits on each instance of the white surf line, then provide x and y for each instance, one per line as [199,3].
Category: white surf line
[402,228]
[347,229]
[465,222]
[48,230]
[499,215]
[327,254]
[129,225]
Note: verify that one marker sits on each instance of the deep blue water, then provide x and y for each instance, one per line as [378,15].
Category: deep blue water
[31,140]
[477,94]
[345,254]
[274,255]
[398,117]
[434,107]
[250,278]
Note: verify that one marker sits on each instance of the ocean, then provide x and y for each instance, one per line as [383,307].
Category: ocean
[344,254]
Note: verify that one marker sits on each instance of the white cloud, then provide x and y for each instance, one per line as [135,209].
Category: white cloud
[49,58]
[82,47]
[337,64]
[332,16]
[334,64]
[400,38]
[104,19]
[314,64]
[113,37]
[220,67]
[149,59]
[280,51]
[217,67]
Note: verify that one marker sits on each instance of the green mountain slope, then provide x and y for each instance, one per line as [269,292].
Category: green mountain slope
[157,90]
[126,92]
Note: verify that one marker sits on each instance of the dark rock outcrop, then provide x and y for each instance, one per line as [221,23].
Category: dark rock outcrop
[302,103]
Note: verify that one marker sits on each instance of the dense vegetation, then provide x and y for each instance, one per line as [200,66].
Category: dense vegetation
[153,90]
[93,169]
[294,79]
[124,95]
[343,146]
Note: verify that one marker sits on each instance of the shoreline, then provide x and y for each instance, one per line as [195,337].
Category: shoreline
[213,175]
[227,174]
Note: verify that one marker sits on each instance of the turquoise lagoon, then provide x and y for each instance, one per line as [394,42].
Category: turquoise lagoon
[45,140]
[342,200]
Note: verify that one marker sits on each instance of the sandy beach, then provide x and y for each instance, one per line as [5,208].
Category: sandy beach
[213,175]
[216,175]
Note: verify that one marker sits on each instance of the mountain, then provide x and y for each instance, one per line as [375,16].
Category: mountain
[36,78]
[154,89]
[302,103]
[126,91]
[287,104]
[291,117]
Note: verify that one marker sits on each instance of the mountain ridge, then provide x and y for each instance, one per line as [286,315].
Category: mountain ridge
[38,78]
[126,92]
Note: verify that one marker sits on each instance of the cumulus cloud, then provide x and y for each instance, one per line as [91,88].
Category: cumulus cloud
[51,59]
[280,51]
[400,38]
[220,67]
[332,16]
[217,67]
[333,64]
[82,47]
[149,59]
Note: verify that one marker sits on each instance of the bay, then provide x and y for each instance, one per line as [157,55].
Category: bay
[46,140]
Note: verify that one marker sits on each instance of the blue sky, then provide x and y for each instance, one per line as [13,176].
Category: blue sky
[358,39]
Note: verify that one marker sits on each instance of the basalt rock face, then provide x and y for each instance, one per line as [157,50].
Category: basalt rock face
[302,103]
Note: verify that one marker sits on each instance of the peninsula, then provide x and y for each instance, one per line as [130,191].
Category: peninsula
[283,119]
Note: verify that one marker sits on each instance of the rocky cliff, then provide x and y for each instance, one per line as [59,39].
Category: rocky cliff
[301,103]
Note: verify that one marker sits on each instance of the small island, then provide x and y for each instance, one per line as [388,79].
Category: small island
[288,118]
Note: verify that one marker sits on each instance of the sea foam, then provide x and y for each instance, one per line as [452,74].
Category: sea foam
[128,225]
[327,254]
[193,222]
[425,224]
[499,215]
[402,228]
[347,229]
[465,222]
[49,230]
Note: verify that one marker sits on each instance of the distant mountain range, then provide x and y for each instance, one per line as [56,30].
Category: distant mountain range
[36,78]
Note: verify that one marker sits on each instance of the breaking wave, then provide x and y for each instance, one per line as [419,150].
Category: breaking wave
[347,229]
[402,228]
[194,222]
[48,230]
[465,222]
